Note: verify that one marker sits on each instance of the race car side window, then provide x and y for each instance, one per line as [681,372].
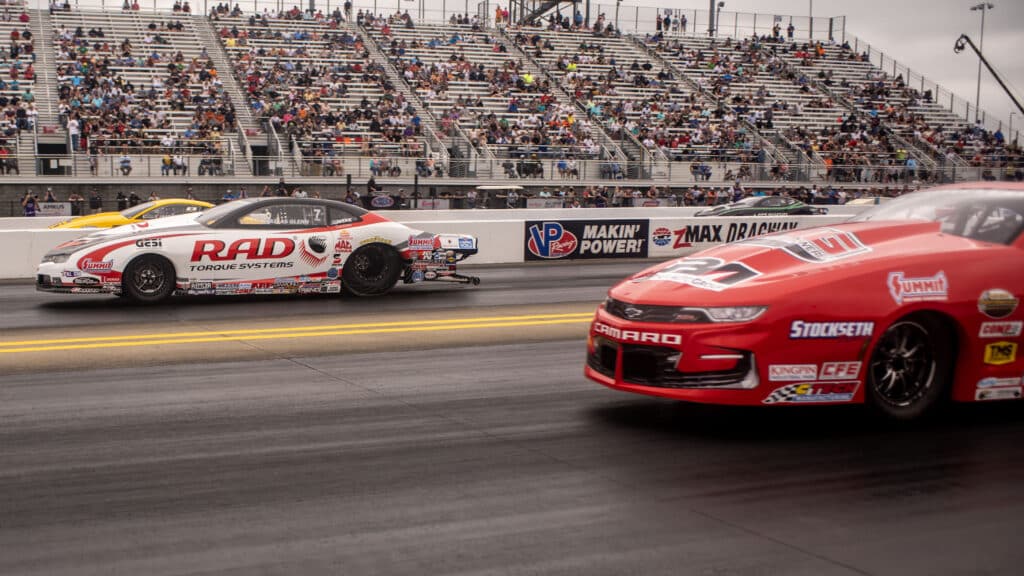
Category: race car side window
[303,215]
[168,210]
[338,216]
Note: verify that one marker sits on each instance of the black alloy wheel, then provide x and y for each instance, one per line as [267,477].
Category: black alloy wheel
[371,270]
[148,279]
[910,368]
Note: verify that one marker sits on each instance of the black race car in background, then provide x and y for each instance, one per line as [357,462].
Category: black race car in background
[764,206]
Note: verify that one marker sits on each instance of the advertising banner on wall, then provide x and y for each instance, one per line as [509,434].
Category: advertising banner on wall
[585,239]
[54,209]
[678,236]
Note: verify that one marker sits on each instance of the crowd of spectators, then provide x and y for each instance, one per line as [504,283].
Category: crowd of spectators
[318,87]
[638,98]
[18,110]
[108,105]
[499,103]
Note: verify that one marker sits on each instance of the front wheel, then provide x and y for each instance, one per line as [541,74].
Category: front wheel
[910,368]
[371,270]
[148,279]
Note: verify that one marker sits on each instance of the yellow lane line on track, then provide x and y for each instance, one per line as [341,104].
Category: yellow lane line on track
[291,332]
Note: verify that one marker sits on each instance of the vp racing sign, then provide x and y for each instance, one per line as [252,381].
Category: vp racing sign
[585,239]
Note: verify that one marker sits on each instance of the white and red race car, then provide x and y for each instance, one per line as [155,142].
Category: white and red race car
[255,246]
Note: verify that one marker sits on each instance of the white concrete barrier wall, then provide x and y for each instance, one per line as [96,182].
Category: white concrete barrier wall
[23,249]
[502,241]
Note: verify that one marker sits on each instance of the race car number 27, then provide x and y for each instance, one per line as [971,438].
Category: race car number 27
[707,273]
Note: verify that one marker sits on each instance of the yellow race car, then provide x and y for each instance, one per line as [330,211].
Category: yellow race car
[145,211]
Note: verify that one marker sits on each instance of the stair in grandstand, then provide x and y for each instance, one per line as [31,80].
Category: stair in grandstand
[536,9]
[243,112]
[438,144]
[625,151]
[765,141]
[923,157]
[46,82]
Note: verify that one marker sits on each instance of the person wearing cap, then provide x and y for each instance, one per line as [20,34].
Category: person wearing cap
[188,193]
[49,195]
[133,199]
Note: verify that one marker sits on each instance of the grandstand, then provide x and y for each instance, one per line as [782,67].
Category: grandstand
[130,95]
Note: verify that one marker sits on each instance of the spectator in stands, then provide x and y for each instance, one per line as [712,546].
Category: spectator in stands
[122,201]
[282,188]
[30,203]
[133,199]
[49,195]
[77,203]
[153,197]
[95,201]
[125,164]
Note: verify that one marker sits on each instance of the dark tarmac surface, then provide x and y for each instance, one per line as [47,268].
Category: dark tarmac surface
[21,306]
[498,459]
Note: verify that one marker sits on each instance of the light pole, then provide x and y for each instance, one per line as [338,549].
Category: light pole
[617,4]
[718,17]
[1009,133]
[983,7]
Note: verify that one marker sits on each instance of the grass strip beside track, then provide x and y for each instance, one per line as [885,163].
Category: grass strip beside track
[291,332]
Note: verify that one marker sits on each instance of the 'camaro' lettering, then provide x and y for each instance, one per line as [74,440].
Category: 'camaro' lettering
[637,336]
[800,329]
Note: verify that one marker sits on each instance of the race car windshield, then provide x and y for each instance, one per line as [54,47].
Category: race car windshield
[995,216]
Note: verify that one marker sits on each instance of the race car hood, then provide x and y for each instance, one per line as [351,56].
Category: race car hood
[100,220]
[748,272]
[183,222]
[162,224]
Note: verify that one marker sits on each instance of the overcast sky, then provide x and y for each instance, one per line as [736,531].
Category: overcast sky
[920,34]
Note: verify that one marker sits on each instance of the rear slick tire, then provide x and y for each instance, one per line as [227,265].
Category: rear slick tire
[371,270]
[910,368]
[148,279]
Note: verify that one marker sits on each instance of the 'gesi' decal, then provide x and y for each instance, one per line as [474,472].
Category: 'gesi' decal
[248,248]
[818,245]
[903,289]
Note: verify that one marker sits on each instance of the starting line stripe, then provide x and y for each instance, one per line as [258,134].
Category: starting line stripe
[241,335]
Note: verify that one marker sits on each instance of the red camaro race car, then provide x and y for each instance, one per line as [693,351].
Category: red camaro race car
[908,303]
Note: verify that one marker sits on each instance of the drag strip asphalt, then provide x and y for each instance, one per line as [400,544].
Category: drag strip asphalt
[22,307]
[482,459]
